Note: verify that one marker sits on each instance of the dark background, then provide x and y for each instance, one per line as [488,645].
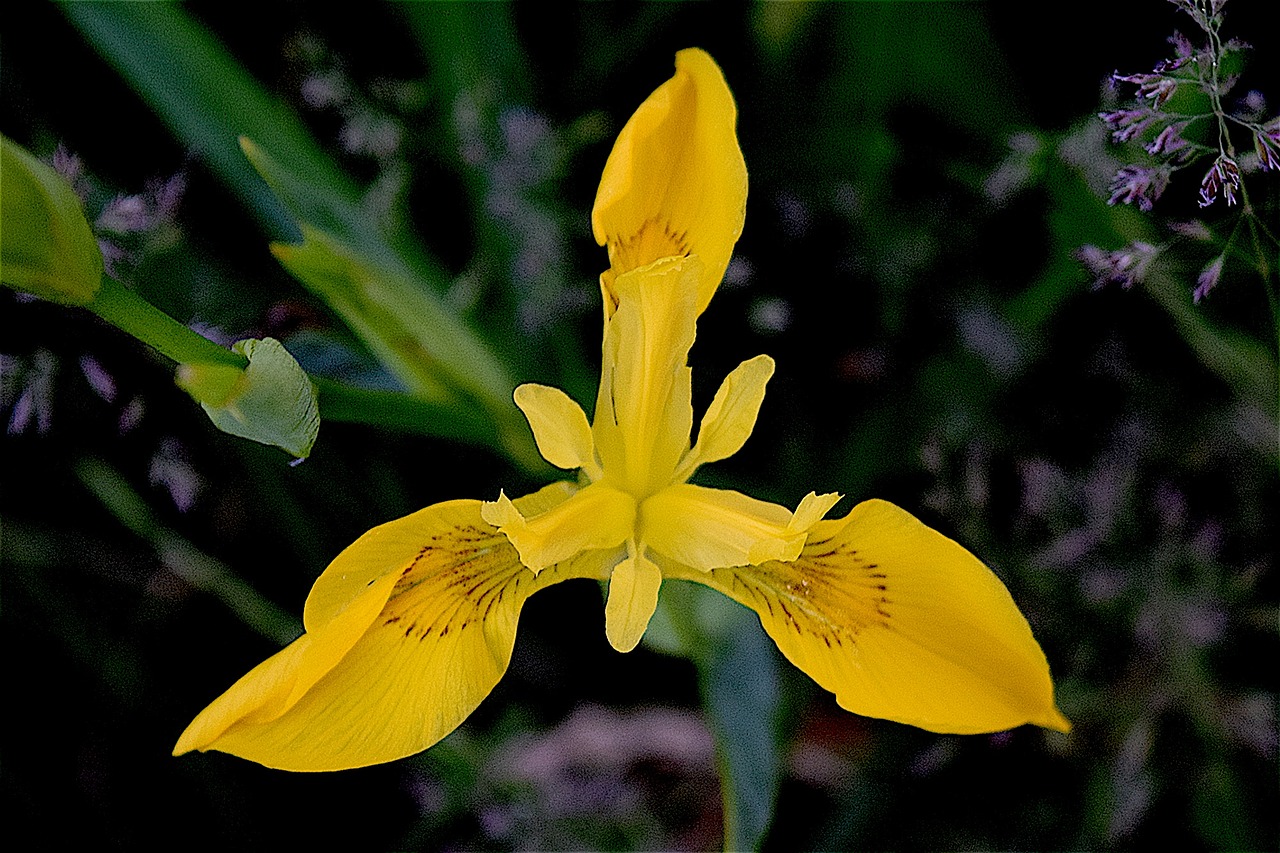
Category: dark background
[937,346]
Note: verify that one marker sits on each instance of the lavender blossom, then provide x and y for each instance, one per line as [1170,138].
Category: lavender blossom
[1223,177]
[1125,267]
[1141,184]
[1208,278]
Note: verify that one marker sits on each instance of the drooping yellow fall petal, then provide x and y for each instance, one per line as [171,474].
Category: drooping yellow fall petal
[633,598]
[899,622]
[731,417]
[596,517]
[644,411]
[675,182]
[256,699]
[559,427]
[440,637]
[714,528]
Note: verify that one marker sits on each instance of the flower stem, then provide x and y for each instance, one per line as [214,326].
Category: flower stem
[129,312]
[340,402]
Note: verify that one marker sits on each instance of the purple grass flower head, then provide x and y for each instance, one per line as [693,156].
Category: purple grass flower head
[1125,267]
[1222,178]
[1126,124]
[167,196]
[1158,92]
[1182,46]
[125,214]
[1141,184]
[1170,140]
[71,168]
[1192,229]
[1153,86]
[1208,278]
[113,257]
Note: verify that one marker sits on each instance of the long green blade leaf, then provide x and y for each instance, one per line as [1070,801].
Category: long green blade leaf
[205,97]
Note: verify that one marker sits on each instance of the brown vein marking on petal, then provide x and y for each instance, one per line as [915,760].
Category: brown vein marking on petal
[654,240]
[466,572]
[829,591]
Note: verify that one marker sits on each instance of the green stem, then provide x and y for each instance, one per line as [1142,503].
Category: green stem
[395,410]
[184,559]
[130,313]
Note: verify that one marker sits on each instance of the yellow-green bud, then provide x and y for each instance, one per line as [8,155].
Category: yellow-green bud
[46,245]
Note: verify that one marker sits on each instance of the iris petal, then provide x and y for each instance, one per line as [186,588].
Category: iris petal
[731,417]
[633,598]
[899,622]
[714,528]
[595,517]
[440,629]
[559,427]
[644,411]
[675,182]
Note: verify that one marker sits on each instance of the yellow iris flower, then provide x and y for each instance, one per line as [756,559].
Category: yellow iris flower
[411,626]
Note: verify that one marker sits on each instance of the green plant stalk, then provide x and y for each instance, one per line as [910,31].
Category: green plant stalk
[679,601]
[184,559]
[339,402]
[395,410]
[746,767]
[130,313]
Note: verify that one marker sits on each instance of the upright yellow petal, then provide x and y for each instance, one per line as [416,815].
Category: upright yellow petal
[899,622]
[559,427]
[448,597]
[644,411]
[731,417]
[675,182]
[812,509]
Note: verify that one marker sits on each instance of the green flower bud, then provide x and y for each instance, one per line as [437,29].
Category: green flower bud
[46,245]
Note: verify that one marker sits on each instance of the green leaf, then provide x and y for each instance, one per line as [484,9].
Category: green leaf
[739,677]
[272,401]
[378,295]
[419,341]
[739,680]
[206,98]
[209,101]
[184,559]
[46,245]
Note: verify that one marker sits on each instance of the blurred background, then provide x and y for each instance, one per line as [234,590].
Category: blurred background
[923,177]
